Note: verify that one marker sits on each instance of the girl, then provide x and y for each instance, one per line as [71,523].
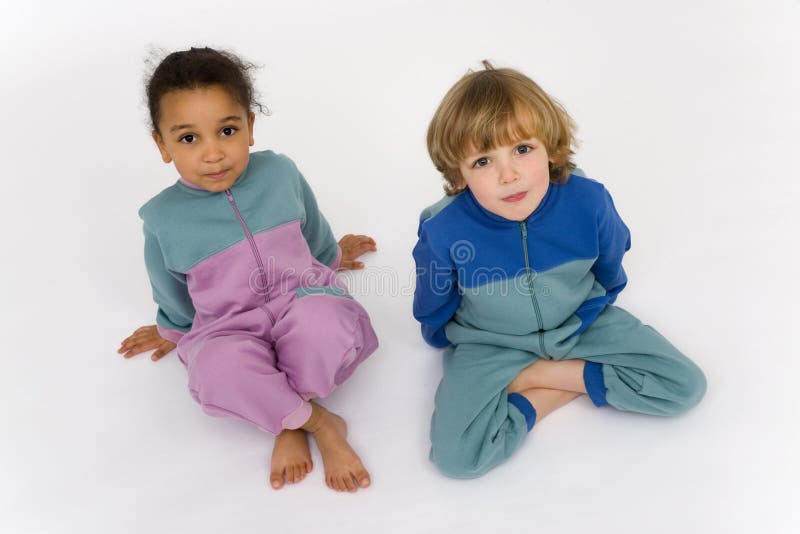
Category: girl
[243,268]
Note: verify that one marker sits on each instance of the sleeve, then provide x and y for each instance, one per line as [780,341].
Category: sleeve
[170,292]
[614,241]
[436,296]
[316,230]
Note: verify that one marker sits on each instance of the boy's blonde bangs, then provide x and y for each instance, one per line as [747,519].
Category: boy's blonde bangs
[496,107]
[487,129]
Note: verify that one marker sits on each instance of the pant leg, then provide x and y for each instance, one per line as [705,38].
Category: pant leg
[320,340]
[636,369]
[474,425]
[235,375]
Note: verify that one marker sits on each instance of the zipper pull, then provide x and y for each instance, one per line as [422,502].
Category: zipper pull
[523,226]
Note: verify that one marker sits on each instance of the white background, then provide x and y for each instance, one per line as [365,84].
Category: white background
[687,111]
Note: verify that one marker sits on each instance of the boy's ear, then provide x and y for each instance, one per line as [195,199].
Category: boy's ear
[251,119]
[161,147]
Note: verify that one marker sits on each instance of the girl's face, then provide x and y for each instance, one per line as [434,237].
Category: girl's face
[207,134]
[508,180]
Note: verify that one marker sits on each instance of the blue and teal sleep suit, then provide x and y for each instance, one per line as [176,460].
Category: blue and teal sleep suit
[499,294]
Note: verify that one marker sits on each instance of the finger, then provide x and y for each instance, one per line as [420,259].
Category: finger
[362,249]
[157,355]
[138,348]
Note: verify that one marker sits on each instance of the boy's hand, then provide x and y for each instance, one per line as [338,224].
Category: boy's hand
[352,247]
[143,339]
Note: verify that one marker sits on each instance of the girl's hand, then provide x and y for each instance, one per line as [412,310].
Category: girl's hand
[352,247]
[143,339]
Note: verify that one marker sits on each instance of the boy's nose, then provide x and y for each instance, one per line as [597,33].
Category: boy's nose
[508,173]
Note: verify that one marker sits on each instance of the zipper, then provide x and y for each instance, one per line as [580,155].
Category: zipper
[523,226]
[252,241]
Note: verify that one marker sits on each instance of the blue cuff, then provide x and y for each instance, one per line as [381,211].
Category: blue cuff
[595,383]
[524,406]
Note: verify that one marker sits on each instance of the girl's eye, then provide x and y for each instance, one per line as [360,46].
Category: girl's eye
[228,131]
[188,138]
[480,162]
[523,149]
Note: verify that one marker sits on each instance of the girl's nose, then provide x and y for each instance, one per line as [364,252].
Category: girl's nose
[212,153]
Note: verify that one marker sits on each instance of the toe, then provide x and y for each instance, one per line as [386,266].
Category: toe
[276,479]
[363,478]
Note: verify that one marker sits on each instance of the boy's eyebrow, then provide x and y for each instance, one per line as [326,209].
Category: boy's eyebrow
[190,126]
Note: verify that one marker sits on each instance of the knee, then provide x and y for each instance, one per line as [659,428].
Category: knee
[454,461]
[690,387]
[212,373]
[694,386]
[454,456]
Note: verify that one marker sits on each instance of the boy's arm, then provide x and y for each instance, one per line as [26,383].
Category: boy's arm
[316,230]
[614,240]
[170,292]
[436,296]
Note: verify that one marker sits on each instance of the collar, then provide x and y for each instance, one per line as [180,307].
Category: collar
[189,185]
[476,208]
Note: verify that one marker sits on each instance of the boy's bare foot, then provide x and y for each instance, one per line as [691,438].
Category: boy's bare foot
[565,375]
[343,468]
[291,458]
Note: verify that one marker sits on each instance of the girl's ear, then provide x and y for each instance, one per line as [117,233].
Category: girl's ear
[251,119]
[161,147]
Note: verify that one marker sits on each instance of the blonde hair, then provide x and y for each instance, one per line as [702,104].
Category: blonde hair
[494,107]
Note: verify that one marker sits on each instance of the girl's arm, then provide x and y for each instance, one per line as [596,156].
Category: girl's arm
[317,231]
[170,292]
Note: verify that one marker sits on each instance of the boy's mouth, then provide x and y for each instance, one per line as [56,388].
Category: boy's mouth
[516,197]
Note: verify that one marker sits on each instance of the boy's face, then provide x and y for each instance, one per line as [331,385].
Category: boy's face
[207,134]
[508,180]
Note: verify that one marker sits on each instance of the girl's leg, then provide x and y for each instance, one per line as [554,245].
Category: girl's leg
[236,376]
[320,340]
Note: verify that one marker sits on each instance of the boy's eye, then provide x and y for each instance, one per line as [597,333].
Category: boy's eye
[188,138]
[480,162]
[523,149]
[228,131]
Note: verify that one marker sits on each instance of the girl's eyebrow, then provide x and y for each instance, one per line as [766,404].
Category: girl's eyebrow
[190,126]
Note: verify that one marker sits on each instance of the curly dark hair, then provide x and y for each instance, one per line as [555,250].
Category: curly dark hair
[201,67]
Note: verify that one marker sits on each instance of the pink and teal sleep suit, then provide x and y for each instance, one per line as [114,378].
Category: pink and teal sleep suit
[499,294]
[246,285]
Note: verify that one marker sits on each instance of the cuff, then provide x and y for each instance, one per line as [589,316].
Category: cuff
[170,334]
[524,406]
[337,260]
[298,417]
[595,383]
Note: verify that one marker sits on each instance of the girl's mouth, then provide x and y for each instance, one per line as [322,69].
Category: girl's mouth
[217,176]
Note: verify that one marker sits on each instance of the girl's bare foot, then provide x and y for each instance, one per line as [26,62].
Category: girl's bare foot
[343,468]
[291,458]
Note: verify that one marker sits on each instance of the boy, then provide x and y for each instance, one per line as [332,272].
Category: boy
[517,271]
